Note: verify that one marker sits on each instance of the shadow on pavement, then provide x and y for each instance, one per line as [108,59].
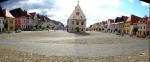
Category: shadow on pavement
[82,34]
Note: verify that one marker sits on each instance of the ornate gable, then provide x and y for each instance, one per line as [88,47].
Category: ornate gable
[77,13]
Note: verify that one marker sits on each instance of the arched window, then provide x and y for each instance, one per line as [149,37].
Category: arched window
[82,29]
[77,13]
[72,22]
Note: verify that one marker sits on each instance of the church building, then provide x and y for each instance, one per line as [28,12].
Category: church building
[77,21]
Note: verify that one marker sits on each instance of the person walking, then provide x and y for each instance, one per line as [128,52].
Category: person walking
[122,32]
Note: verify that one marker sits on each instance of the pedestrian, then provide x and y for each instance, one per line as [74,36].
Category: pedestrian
[144,34]
[122,32]
[48,30]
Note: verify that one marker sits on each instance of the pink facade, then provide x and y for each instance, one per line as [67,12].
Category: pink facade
[148,25]
[110,21]
[21,23]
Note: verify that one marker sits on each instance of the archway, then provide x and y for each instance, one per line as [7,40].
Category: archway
[77,29]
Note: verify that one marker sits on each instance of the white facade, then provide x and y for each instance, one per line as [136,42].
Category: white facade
[1,24]
[44,23]
[30,23]
[77,21]
[141,27]
[59,26]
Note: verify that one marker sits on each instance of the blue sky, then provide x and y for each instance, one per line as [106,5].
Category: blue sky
[94,10]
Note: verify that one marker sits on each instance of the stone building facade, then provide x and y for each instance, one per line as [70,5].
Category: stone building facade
[77,21]
[9,22]
[142,27]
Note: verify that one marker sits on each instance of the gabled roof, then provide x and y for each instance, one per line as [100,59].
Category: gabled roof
[77,13]
[118,19]
[1,12]
[111,21]
[143,20]
[104,22]
[7,13]
[124,18]
[18,12]
[32,14]
[133,19]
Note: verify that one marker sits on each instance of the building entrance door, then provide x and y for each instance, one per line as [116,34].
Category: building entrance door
[77,29]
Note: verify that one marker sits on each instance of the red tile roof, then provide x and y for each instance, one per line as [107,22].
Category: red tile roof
[135,19]
[7,13]
[125,18]
[111,21]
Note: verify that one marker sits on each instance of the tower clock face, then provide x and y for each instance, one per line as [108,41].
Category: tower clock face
[77,13]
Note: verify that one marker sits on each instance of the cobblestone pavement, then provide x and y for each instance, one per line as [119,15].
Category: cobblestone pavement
[10,55]
[62,37]
[27,38]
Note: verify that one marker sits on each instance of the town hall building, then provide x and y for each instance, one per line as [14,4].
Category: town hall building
[77,21]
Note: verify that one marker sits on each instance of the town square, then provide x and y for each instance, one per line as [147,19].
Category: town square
[69,47]
[58,34]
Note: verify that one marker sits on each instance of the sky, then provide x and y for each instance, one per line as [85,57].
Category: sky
[94,10]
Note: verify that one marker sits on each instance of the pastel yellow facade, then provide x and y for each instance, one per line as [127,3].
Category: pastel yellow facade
[9,24]
[127,27]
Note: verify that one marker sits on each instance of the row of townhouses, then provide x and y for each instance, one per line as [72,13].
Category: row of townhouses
[21,19]
[132,25]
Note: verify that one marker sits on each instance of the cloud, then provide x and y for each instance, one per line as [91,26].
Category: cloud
[94,10]
[131,1]
[60,10]
[144,4]
[28,4]
[35,10]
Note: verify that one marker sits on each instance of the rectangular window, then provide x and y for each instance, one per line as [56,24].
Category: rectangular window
[82,23]
[77,23]
[82,29]
[72,22]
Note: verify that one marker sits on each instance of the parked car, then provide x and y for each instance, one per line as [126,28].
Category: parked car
[18,30]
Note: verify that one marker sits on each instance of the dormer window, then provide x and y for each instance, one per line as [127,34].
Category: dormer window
[77,13]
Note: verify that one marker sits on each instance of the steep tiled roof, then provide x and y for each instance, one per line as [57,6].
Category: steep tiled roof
[32,14]
[125,18]
[18,12]
[135,19]
[111,21]
[1,12]
[7,13]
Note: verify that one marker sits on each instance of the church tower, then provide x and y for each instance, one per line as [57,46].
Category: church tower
[77,21]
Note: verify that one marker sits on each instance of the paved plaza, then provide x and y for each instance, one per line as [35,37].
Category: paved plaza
[70,47]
